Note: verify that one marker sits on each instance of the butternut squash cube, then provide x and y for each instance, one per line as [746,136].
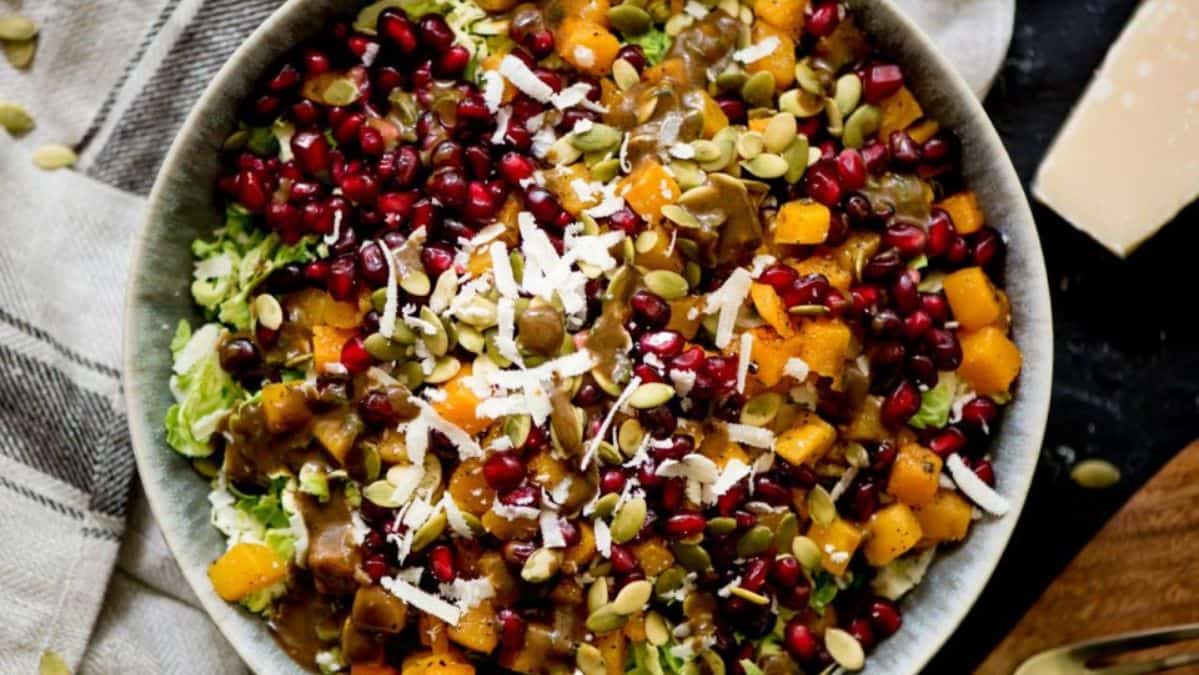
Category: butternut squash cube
[245,568]
[681,320]
[428,663]
[460,404]
[504,529]
[802,222]
[963,209]
[807,442]
[915,475]
[923,131]
[837,544]
[771,308]
[653,249]
[595,11]
[891,532]
[612,646]
[648,188]
[327,342]
[653,556]
[973,298]
[469,489]
[714,117]
[284,407]
[574,558]
[784,15]
[336,431]
[840,277]
[372,669]
[588,46]
[990,360]
[899,111]
[824,345]
[771,352]
[946,518]
[476,629]
[781,61]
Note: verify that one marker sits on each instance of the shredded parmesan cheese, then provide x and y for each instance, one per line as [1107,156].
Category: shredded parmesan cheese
[751,435]
[757,52]
[727,300]
[426,602]
[747,344]
[603,429]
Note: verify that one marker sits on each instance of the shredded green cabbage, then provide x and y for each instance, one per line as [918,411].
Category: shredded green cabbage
[654,42]
[936,403]
[203,391]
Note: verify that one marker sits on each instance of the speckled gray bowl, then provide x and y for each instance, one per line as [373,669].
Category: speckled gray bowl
[182,207]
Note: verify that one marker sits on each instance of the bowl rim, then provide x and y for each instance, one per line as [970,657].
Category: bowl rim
[1034,389]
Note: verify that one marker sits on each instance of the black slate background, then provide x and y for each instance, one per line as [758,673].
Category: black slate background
[1126,376]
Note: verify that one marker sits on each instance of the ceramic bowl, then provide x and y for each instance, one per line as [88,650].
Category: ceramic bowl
[182,207]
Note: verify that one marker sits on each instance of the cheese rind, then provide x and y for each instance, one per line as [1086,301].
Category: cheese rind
[1127,160]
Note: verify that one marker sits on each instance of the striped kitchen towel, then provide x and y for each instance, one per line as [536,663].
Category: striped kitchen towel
[85,577]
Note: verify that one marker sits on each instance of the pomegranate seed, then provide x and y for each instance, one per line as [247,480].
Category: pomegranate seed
[360,45]
[266,107]
[448,186]
[689,360]
[664,344]
[936,305]
[673,492]
[635,55]
[852,169]
[512,629]
[779,276]
[453,62]
[822,184]
[316,271]
[435,33]
[398,203]
[480,205]
[771,492]
[900,404]
[647,373]
[786,572]
[946,350]
[346,130]
[613,480]
[988,246]
[810,289]
[721,369]
[646,476]
[517,552]
[904,151]
[980,413]
[406,166]
[285,79]
[864,297]
[570,532]
[948,442]
[883,456]
[343,277]
[588,395]
[375,566]
[940,233]
[917,324]
[503,471]
[622,559]
[684,525]
[881,81]
[863,500]
[907,237]
[885,616]
[823,19]
[388,78]
[958,252]
[874,154]
[756,572]
[253,191]
[862,631]
[525,495]
[315,63]
[882,265]
[518,136]
[354,356]
[649,309]
[473,109]
[376,410]
[677,447]
[837,303]
[441,561]
[395,28]
[373,264]
[360,188]
[370,140]
[905,291]
[729,502]
[515,167]
[985,471]
[799,640]
[733,109]
[541,43]
[542,204]
[660,422]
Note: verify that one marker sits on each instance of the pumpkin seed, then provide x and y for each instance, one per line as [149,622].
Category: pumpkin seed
[605,620]
[16,27]
[444,291]
[605,382]
[796,156]
[856,455]
[657,631]
[367,20]
[629,436]
[416,282]
[563,152]
[383,348]
[750,144]
[779,133]
[669,580]
[844,649]
[473,522]
[766,165]
[598,137]
[517,429]
[608,454]
[20,52]
[479,312]
[686,174]
[624,74]
[268,311]
[54,156]
[862,124]
[836,121]
[444,370]
[341,91]
[806,552]
[705,150]
[731,80]
[758,90]
[541,565]
[566,430]
[597,594]
[680,216]
[848,93]
[15,119]
[678,23]
[785,531]
[629,19]
[471,339]
[436,341]
[428,533]
[760,410]
[403,334]
[692,556]
[801,103]
[809,79]
[651,395]
[605,170]
[633,597]
[589,660]
[821,506]
[604,506]
[749,596]
[629,519]
[713,662]
[236,141]
[692,272]
[722,525]
[808,310]
[1095,473]
[753,542]
[411,374]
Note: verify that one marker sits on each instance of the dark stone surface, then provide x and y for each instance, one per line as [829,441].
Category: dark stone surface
[1126,378]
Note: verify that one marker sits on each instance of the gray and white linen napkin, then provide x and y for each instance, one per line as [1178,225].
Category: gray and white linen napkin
[84,573]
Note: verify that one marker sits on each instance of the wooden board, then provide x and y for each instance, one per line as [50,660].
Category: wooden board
[1140,572]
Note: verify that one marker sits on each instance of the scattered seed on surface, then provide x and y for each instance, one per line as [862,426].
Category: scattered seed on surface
[1095,474]
[54,156]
